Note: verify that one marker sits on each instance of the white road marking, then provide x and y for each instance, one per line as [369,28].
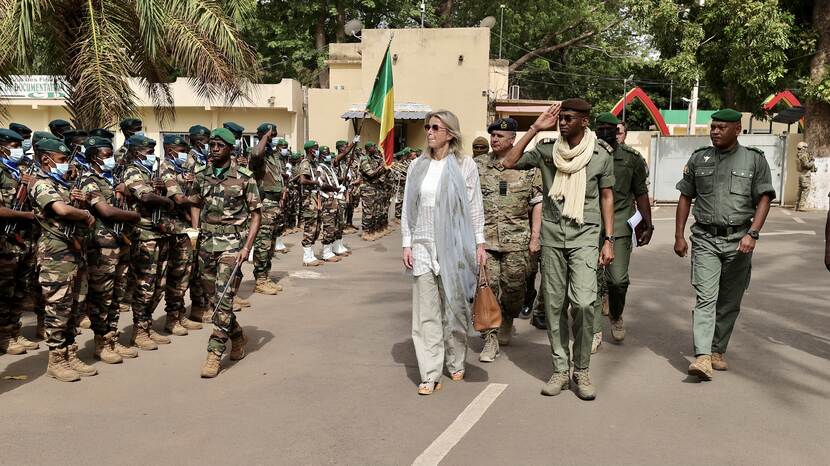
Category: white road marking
[786,212]
[305,274]
[459,428]
[799,220]
[790,232]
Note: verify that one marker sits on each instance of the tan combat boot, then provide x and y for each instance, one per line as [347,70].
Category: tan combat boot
[83,369]
[9,343]
[40,329]
[557,382]
[241,301]
[85,323]
[238,343]
[275,285]
[197,314]
[189,324]
[123,351]
[702,367]
[155,336]
[211,367]
[105,351]
[172,326]
[584,387]
[263,286]
[719,362]
[58,367]
[21,340]
[141,337]
[618,330]
[596,342]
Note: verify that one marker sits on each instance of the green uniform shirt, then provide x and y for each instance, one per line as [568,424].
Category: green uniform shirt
[174,184]
[559,231]
[631,175]
[138,181]
[726,185]
[100,189]
[43,192]
[369,164]
[269,170]
[506,195]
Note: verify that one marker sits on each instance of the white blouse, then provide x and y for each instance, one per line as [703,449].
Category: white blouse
[422,239]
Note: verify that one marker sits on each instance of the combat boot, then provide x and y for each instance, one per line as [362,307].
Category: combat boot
[308,257]
[85,323]
[596,342]
[618,329]
[585,389]
[329,255]
[275,285]
[506,331]
[141,337]
[21,340]
[605,308]
[157,337]
[238,343]
[241,301]
[557,382]
[263,286]
[719,362]
[40,329]
[189,324]
[123,351]
[172,326]
[197,314]
[83,369]
[58,366]
[702,367]
[9,343]
[491,348]
[105,351]
[211,367]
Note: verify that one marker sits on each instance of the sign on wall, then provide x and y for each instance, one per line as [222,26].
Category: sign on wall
[34,87]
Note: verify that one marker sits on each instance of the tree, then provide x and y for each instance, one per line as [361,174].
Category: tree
[96,45]
[817,127]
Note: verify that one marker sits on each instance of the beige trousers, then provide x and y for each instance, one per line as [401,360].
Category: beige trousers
[434,344]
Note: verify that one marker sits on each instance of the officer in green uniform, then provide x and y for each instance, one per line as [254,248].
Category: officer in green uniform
[269,172]
[578,181]
[731,187]
[229,217]
[630,175]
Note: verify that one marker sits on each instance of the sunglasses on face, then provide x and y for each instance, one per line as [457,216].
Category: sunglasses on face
[434,128]
[569,118]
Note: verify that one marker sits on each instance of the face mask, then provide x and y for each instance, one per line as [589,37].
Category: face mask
[181,158]
[138,133]
[317,153]
[327,158]
[27,144]
[81,149]
[61,169]
[608,135]
[149,161]
[284,152]
[15,154]
[108,164]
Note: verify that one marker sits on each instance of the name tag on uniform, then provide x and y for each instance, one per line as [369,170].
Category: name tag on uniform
[503,188]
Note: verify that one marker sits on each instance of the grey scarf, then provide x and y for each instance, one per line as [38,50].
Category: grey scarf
[455,243]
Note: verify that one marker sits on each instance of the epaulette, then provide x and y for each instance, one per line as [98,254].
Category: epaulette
[547,141]
[245,171]
[605,146]
[200,168]
[701,149]
[630,149]
[755,149]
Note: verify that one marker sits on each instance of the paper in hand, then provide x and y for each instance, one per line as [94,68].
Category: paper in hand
[633,222]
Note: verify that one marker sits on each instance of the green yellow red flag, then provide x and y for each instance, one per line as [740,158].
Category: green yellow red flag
[381,106]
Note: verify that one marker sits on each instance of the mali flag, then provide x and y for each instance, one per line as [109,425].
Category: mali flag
[381,106]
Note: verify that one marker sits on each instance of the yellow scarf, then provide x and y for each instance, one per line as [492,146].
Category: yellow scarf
[571,179]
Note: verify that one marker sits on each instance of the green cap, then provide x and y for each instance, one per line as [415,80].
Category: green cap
[234,128]
[282,142]
[40,135]
[309,144]
[138,140]
[97,142]
[263,128]
[340,144]
[224,134]
[727,114]
[607,118]
[129,123]
[296,155]
[198,130]
[101,133]
[325,148]
[370,144]
[174,140]
[57,124]
[7,135]
[52,145]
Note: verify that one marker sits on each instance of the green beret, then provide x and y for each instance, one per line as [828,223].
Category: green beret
[370,144]
[56,124]
[20,128]
[224,134]
[52,145]
[296,155]
[282,142]
[39,135]
[174,140]
[138,140]
[7,135]
[68,135]
[309,144]
[96,142]
[576,104]
[727,114]
[263,128]
[129,123]
[340,144]
[198,130]
[607,118]
[234,128]
[101,133]
[324,148]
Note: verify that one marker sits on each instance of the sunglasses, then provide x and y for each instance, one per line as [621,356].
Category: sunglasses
[569,118]
[434,128]
[220,145]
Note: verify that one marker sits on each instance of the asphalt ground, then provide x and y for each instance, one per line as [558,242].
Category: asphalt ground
[331,378]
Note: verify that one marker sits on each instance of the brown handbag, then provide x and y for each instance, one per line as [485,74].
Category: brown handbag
[486,308]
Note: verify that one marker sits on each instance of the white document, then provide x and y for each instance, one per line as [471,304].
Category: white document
[633,222]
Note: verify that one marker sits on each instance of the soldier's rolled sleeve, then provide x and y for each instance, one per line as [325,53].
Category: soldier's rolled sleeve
[762,182]
[606,176]
[135,183]
[171,184]
[43,194]
[530,159]
[252,198]
[686,185]
[91,188]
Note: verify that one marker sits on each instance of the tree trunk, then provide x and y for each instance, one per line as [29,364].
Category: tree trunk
[320,43]
[340,19]
[817,118]
[445,13]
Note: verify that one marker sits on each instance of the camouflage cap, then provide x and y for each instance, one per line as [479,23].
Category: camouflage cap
[20,129]
[224,134]
[607,118]
[7,135]
[728,115]
[52,145]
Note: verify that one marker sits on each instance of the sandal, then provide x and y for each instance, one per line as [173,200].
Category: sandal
[457,376]
[426,388]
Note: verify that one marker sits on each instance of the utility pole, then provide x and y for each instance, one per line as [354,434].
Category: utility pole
[693,109]
[501,28]
[671,92]
[625,94]
[423,12]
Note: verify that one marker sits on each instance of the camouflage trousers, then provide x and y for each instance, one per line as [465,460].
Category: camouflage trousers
[507,274]
[197,294]
[330,223]
[372,199]
[215,270]
[341,218]
[292,205]
[399,200]
[311,221]
[108,270]
[148,272]
[271,227]
[179,264]
[58,268]
[19,290]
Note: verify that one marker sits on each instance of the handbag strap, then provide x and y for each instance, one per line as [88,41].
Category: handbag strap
[482,276]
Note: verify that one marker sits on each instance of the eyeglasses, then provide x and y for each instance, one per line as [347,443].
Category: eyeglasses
[217,144]
[569,118]
[434,128]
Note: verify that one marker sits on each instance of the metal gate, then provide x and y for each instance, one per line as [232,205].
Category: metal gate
[670,154]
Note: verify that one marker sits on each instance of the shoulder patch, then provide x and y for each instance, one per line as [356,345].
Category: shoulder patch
[755,149]
[701,149]
[605,146]
[245,171]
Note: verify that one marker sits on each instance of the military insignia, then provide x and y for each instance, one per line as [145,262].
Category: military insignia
[503,124]
[63,148]
[706,158]
[92,142]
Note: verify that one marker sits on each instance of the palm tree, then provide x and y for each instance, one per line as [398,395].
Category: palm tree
[98,45]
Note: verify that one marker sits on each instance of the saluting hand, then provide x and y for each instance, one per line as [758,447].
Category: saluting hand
[548,119]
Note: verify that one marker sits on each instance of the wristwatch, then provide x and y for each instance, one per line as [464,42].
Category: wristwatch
[754,234]
[610,239]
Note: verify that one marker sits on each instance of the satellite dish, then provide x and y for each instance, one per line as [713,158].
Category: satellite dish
[488,22]
[353,27]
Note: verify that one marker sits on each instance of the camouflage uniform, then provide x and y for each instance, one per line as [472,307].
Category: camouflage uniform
[330,223]
[311,202]
[228,198]
[149,249]
[179,248]
[198,300]
[349,171]
[58,262]
[292,209]
[268,170]
[372,191]
[399,170]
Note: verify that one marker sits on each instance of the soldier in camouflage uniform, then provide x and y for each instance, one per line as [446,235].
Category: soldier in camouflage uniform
[269,172]
[150,240]
[293,211]
[59,257]
[283,154]
[349,172]
[129,127]
[399,169]
[229,214]
[180,262]
[372,169]
[197,157]
[15,247]
[319,207]
[508,197]
[329,169]
[806,168]
[108,256]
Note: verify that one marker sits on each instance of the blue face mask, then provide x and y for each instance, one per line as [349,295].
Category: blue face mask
[317,153]
[138,133]
[206,149]
[108,165]
[181,158]
[26,144]
[15,154]
[60,169]
[149,161]
[327,158]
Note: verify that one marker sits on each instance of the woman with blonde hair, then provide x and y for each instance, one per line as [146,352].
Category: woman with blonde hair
[442,225]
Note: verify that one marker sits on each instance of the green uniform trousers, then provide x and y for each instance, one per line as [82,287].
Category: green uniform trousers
[569,276]
[720,275]
[616,280]
[271,228]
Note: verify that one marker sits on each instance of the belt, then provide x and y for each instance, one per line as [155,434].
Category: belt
[716,230]
[212,229]
[271,196]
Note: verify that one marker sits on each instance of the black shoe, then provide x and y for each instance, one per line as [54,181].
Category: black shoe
[539,322]
[526,312]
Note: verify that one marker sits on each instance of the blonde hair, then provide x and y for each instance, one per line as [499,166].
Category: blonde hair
[453,129]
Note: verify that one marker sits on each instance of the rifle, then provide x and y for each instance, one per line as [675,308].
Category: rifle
[118,228]
[231,279]
[155,218]
[19,202]
[69,230]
